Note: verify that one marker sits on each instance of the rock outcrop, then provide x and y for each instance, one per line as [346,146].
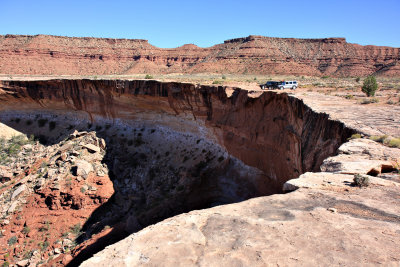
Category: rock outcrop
[326,222]
[54,55]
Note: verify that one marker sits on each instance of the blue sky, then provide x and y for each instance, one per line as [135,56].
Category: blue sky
[205,23]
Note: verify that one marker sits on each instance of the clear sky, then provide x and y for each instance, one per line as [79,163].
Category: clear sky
[205,23]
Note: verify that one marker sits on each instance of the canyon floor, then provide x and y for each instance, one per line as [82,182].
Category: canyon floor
[322,219]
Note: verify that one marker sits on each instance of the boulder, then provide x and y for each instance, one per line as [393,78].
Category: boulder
[18,191]
[92,148]
[82,168]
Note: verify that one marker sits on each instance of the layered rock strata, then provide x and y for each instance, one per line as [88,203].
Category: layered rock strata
[54,55]
[174,147]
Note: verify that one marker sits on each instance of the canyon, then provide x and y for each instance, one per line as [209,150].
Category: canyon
[56,55]
[142,151]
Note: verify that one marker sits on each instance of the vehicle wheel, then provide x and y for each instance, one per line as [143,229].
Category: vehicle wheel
[281,88]
[263,87]
[294,87]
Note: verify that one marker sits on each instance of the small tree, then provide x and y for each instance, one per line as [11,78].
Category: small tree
[369,86]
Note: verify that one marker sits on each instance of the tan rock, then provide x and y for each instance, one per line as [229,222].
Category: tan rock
[92,148]
[83,168]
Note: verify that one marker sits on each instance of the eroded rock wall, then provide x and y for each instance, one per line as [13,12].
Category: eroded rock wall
[55,55]
[274,133]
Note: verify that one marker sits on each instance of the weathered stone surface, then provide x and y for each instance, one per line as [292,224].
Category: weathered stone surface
[83,168]
[362,156]
[18,191]
[295,229]
[372,120]
[328,181]
[5,174]
[22,263]
[270,230]
[92,148]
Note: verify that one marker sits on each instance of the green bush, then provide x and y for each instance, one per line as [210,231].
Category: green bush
[148,76]
[394,142]
[379,138]
[369,86]
[358,79]
[217,82]
[360,180]
[12,240]
[355,136]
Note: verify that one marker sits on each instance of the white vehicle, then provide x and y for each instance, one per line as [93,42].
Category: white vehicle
[287,85]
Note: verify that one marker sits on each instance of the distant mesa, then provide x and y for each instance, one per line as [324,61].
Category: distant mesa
[58,55]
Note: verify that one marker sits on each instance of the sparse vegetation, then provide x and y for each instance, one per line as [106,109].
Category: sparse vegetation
[148,76]
[26,230]
[217,82]
[349,97]
[355,136]
[394,142]
[44,245]
[379,138]
[370,100]
[12,240]
[42,122]
[360,180]
[358,79]
[76,229]
[11,148]
[369,86]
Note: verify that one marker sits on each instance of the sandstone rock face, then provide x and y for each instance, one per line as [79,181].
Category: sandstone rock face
[43,54]
[325,222]
[274,133]
[168,147]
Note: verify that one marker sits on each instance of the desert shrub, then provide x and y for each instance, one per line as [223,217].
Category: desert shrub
[349,96]
[44,245]
[42,123]
[369,101]
[369,86]
[358,79]
[355,136]
[26,230]
[223,77]
[394,142]
[325,77]
[217,82]
[148,76]
[12,240]
[378,138]
[360,180]
[76,229]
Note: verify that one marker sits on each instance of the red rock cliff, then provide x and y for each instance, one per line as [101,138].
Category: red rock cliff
[53,55]
[275,133]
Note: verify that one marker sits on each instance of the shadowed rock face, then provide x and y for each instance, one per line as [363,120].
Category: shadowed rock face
[175,147]
[52,55]
[274,133]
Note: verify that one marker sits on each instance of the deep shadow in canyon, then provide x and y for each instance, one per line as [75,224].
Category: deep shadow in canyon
[174,147]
